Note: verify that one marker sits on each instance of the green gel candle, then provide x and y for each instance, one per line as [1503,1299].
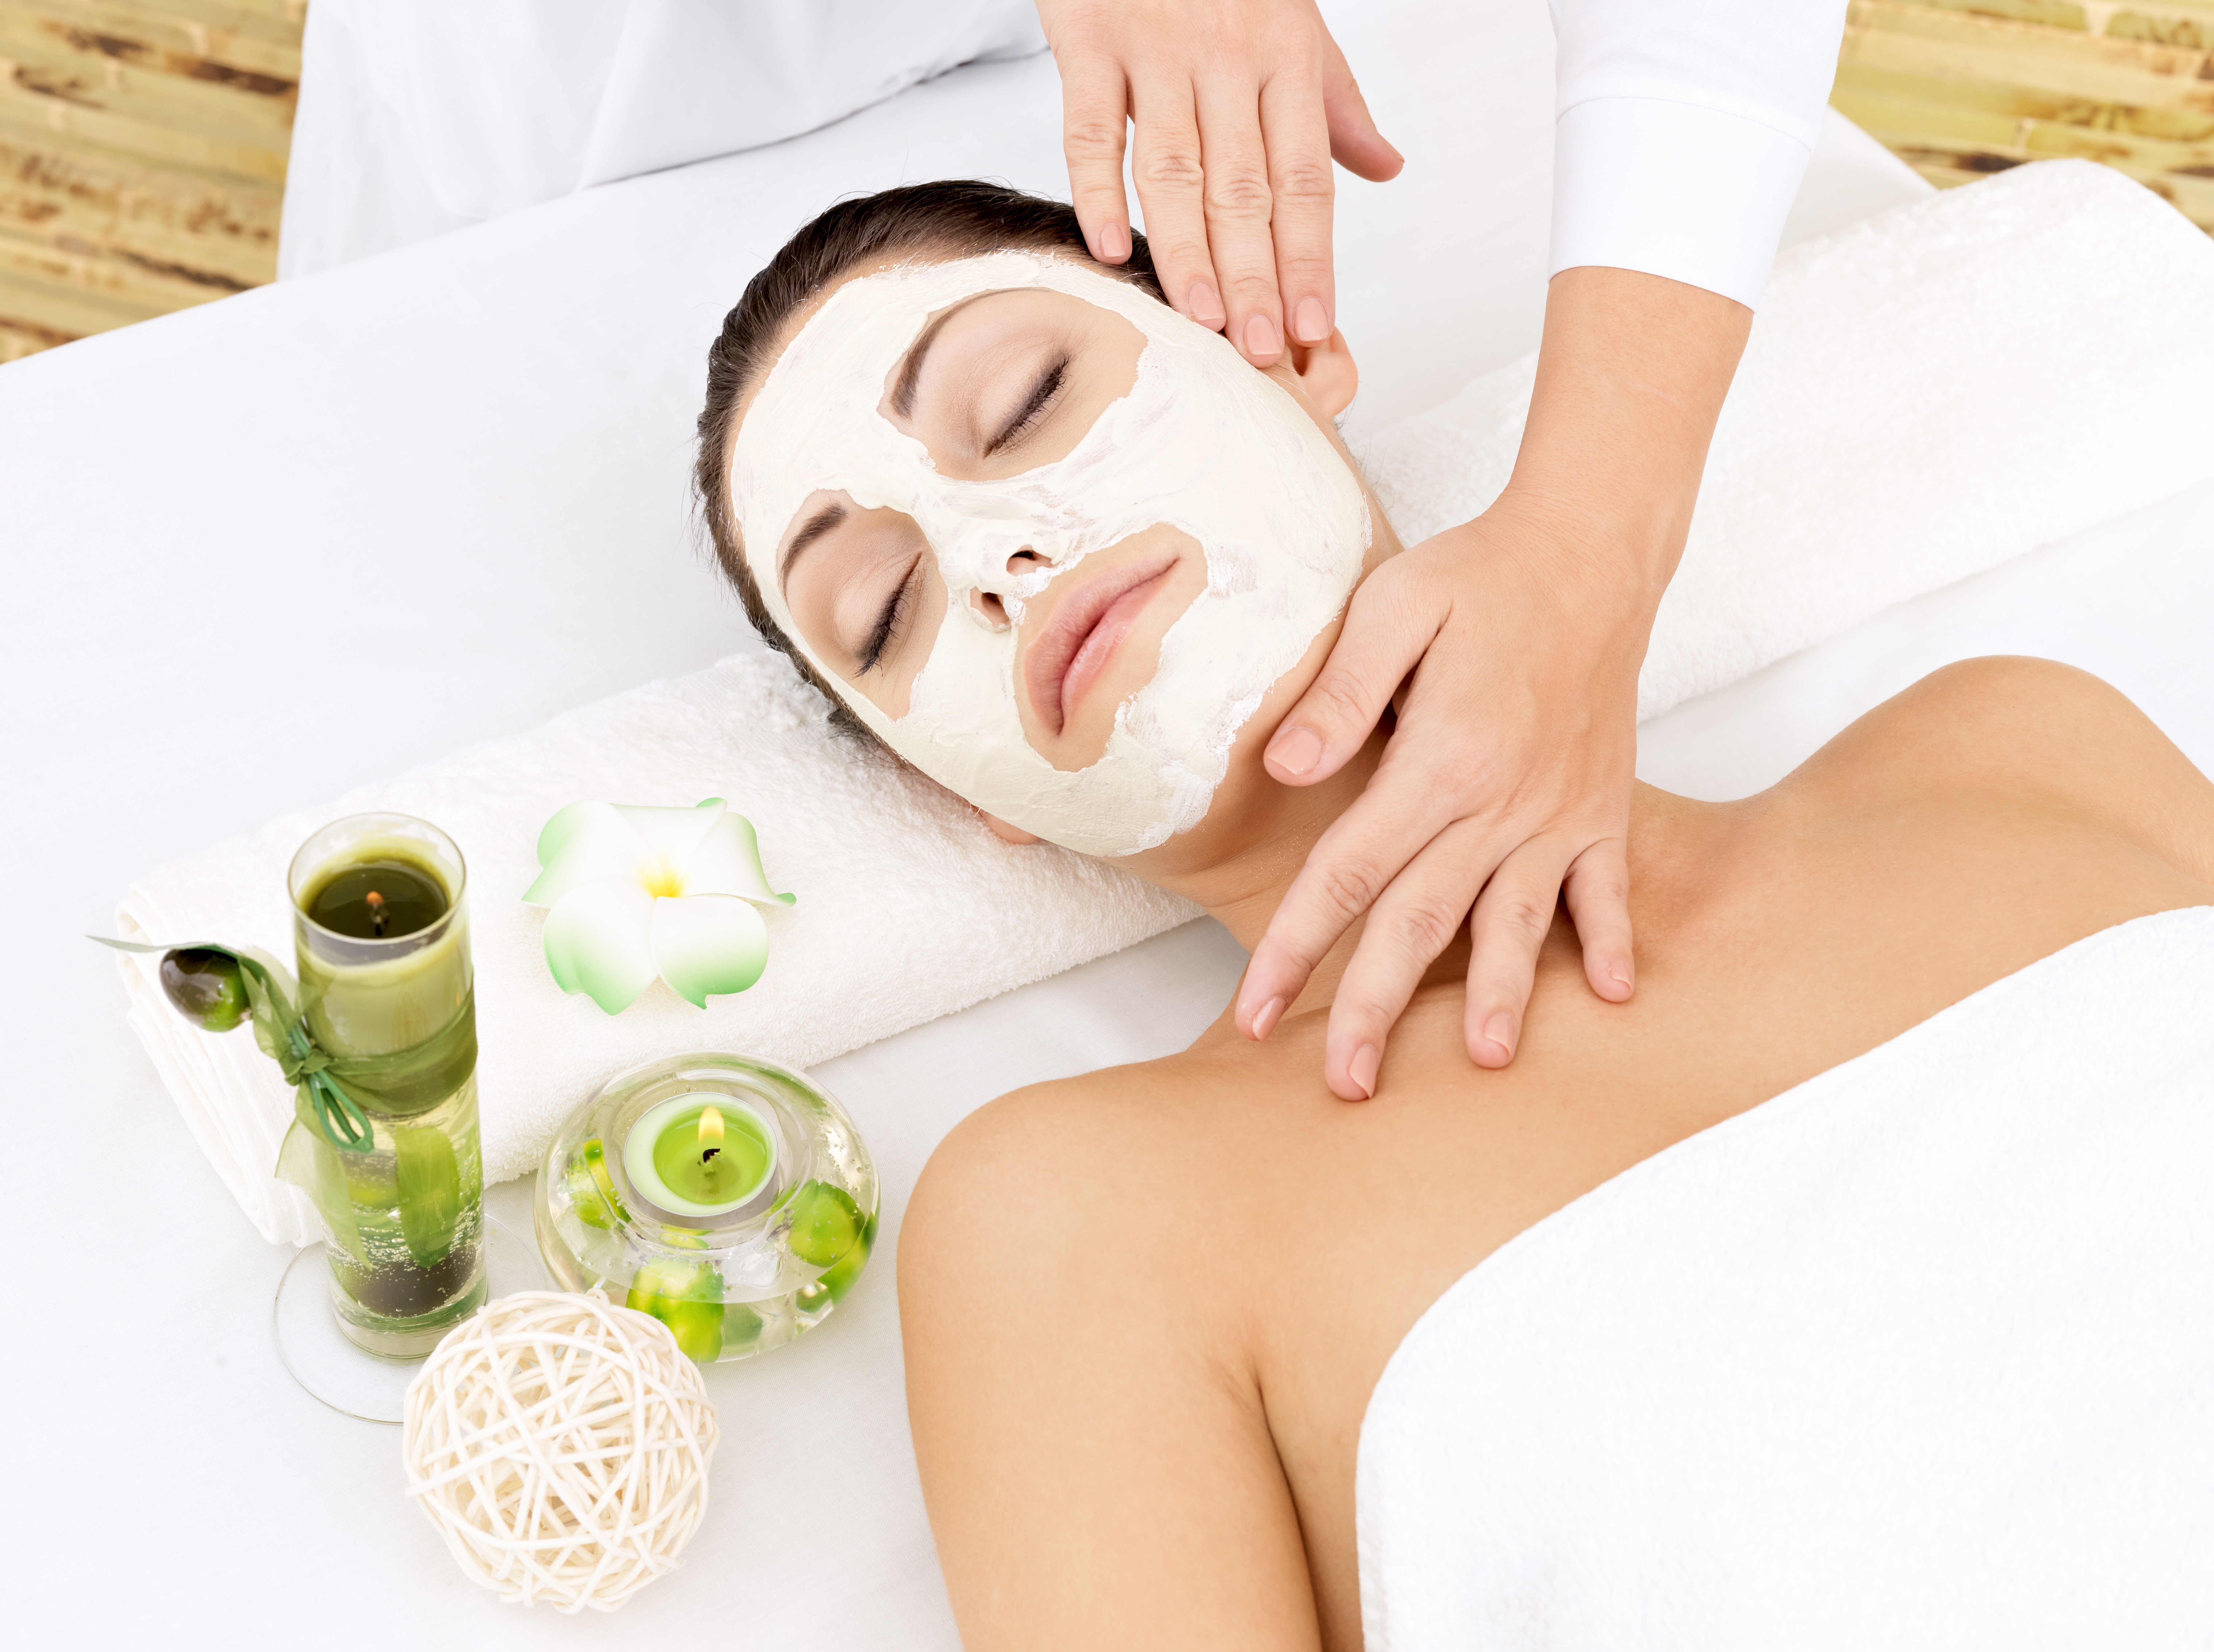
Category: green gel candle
[699,1154]
[380,939]
[380,899]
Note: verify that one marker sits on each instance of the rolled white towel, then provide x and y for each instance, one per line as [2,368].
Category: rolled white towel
[1949,383]
[907,909]
[1916,1354]
[1926,393]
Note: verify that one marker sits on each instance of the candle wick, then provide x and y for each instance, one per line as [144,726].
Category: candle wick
[376,912]
[710,1154]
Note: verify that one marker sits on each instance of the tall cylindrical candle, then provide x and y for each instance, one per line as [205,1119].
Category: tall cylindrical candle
[380,932]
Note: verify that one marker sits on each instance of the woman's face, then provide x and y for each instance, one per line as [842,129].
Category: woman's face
[1055,544]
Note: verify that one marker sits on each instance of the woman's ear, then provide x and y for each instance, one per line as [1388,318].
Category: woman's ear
[1326,373]
[1007,834]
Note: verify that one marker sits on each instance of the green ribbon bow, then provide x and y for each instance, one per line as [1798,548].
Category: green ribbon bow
[328,1091]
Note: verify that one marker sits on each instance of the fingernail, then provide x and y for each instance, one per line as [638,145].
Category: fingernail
[1310,324]
[1620,977]
[1500,1029]
[1362,1070]
[1296,752]
[1114,244]
[1203,306]
[1261,338]
[1265,1019]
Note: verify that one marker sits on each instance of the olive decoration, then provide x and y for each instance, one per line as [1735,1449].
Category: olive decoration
[207,987]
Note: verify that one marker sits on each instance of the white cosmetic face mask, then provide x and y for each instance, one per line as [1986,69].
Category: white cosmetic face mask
[1203,443]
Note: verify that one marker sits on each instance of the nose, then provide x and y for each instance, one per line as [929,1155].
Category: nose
[990,606]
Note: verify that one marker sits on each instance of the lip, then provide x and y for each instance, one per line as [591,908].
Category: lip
[1088,624]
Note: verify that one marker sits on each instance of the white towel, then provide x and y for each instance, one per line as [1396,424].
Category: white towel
[1926,393]
[907,909]
[1912,409]
[1917,1355]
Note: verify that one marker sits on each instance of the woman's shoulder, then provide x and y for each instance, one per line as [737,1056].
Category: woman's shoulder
[2028,738]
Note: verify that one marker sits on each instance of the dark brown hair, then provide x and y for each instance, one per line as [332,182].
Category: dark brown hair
[956,218]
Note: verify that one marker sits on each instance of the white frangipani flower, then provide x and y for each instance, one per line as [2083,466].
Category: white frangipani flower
[636,893]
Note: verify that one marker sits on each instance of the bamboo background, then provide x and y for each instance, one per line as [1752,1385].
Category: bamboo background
[143,141]
[142,157]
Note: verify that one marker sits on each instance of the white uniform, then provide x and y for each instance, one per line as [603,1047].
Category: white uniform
[1684,128]
[1683,133]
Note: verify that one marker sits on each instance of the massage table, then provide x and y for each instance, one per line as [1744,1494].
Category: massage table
[264,550]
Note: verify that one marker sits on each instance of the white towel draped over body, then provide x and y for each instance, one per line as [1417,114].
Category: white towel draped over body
[1927,394]
[1919,1354]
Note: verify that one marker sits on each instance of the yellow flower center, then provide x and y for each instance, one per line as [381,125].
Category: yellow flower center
[665,880]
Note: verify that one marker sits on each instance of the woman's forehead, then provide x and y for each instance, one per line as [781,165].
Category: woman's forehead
[908,291]
[819,399]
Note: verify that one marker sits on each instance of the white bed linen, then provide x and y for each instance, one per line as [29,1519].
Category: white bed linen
[1915,1355]
[446,451]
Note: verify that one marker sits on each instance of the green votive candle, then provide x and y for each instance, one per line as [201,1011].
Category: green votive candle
[381,934]
[700,1155]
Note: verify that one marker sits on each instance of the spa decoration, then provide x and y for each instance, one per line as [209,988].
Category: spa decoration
[634,893]
[727,1196]
[560,1445]
[377,1036]
[219,988]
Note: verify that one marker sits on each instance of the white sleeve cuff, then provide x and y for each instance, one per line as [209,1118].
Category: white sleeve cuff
[1672,189]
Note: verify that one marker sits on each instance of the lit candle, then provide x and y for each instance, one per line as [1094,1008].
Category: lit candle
[381,937]
[700,1155]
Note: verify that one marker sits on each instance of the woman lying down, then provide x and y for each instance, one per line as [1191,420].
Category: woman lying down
[1849,1284]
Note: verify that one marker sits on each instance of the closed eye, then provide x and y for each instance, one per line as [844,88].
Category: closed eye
[1027,418]
[892,623]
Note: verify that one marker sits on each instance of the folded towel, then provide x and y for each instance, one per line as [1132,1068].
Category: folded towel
[907,909]
[1926,393]
[1916,1354]
[1943,386]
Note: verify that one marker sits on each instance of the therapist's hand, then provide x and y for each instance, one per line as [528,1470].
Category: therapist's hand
[1239,107]
[1506,782]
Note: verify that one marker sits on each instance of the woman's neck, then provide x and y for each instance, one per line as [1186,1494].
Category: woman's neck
[1241,869]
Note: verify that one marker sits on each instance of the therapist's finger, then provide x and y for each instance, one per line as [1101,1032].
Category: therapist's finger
[1165,162]
[1094,118]
[1239,206]
[1355,142]
[1389,625]
[1387,826]
[1413,920]
[1511,919]
[1302,188]
[1597,893]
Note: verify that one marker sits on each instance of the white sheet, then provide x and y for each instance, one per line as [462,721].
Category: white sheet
[1915,1355]
[467,460]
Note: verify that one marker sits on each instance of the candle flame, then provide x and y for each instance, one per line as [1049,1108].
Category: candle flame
[710,1126]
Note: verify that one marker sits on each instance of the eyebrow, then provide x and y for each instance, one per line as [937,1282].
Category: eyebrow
[911,369]
[811,530]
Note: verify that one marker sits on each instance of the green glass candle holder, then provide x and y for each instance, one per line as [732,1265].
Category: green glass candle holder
[728,1197]
[380,933]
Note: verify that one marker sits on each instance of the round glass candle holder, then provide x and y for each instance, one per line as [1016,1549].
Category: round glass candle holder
[728,1197]
[404,1218]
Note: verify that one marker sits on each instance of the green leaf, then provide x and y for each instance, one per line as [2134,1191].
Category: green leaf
[429,1192]
[311,1164]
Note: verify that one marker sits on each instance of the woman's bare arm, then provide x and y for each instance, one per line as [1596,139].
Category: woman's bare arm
[1097,1460]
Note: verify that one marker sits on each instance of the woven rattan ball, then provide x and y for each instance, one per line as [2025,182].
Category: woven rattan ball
[560,1444]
